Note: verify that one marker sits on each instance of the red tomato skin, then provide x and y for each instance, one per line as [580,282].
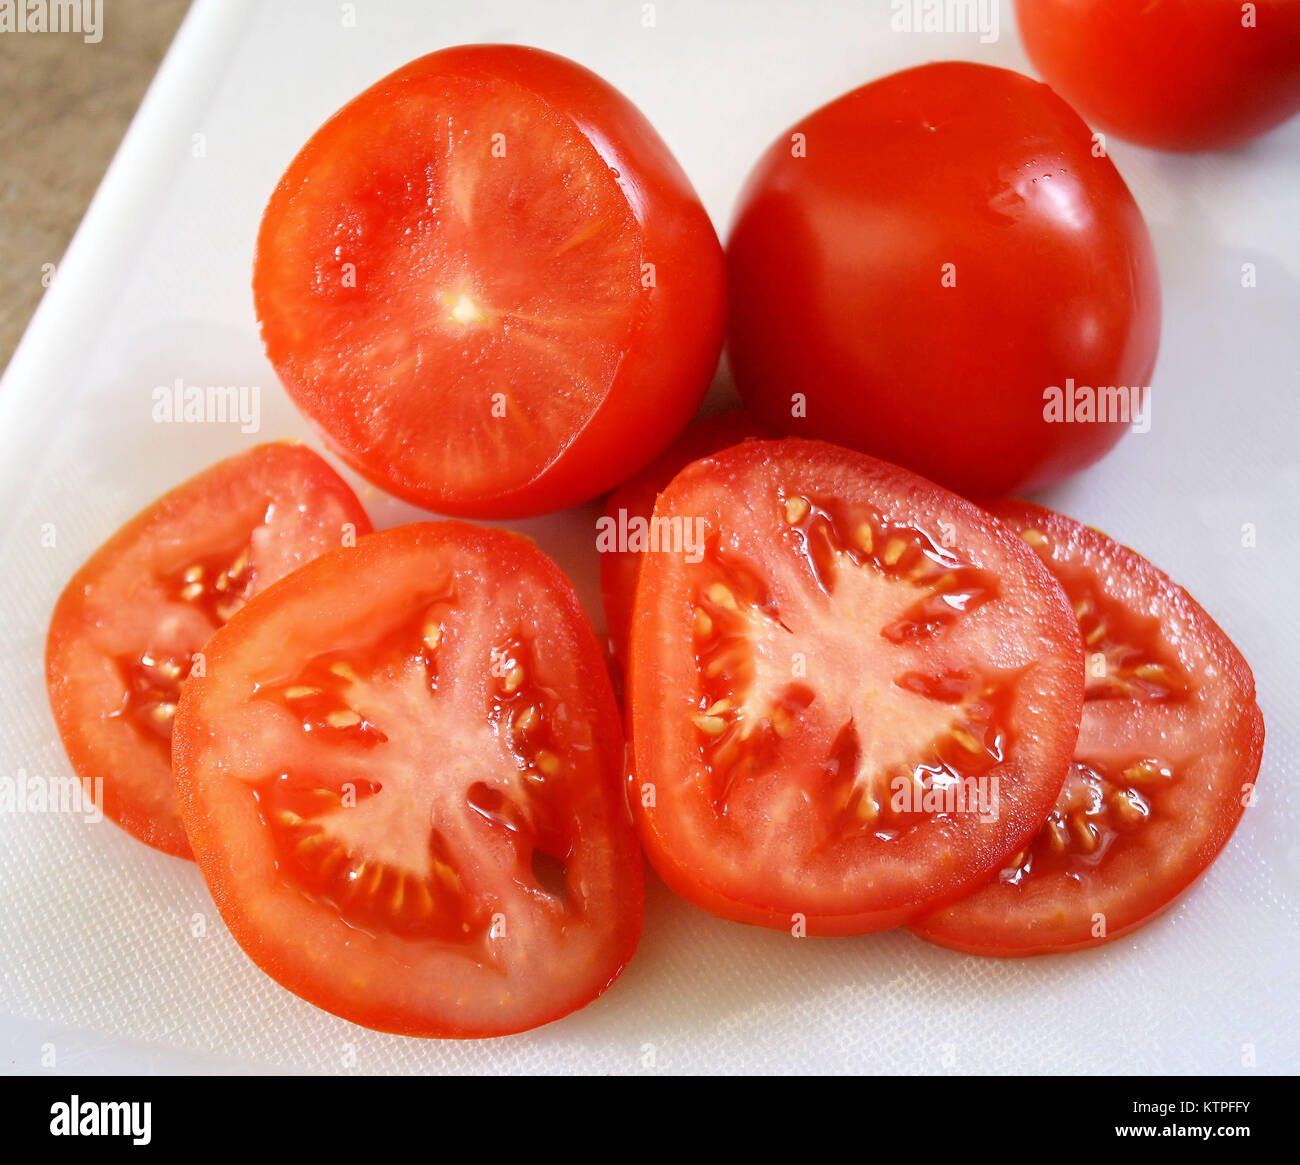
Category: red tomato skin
[222,864]
[959,928]
[69,621]
[837,263]
[673,351]
[1187,76]
[636,498]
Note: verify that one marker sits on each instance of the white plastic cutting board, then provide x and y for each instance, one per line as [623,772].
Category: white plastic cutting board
[100,965]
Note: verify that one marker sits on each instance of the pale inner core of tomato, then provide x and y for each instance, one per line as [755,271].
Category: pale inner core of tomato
[789,657]
[432,782]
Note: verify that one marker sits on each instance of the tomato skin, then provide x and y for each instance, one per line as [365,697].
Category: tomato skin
[109,599]
[1173,76]
[669,356]
[838,260]
[692,846]
[635,498]
[1218,728]
[367,975]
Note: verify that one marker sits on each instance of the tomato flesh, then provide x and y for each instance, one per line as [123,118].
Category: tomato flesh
[125,632]
[401,776]
[465,278]
[634,502]
[859,700]
[1168,751]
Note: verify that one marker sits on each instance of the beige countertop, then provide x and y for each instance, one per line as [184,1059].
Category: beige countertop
[64,105]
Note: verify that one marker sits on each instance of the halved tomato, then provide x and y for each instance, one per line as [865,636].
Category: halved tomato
[489,284]
[1166,761]
[628,509]
[401,776]
[125,631]
[855,704]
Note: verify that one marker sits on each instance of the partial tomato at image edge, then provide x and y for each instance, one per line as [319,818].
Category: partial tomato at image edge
[1209,75]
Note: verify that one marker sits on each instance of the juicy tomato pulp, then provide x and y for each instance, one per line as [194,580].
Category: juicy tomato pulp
[1188,76]
[490,285]
[630,508]
[1167,756]
[856,704]
[917,264]
[401,776]
[125,630]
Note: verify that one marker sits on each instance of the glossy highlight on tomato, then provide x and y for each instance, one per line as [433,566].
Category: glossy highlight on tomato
[401,776]
[915,266]
[124,634]
[1167,756]
[860,700]
[1175,75]
[489,284]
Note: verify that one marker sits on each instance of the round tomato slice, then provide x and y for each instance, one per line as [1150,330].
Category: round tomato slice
[489,284]
[855,704]
[1168,752]
[125,631]
[401,776]
[625,524]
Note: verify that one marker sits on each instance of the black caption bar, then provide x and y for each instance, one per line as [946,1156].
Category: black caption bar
[170,1114]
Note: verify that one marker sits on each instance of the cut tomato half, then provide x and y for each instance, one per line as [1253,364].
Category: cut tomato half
[857,701]
[401,776]
[489,284]
[626,520]
[1168,752]
[125,631]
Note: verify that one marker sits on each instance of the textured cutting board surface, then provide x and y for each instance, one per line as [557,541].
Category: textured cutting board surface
[112,957]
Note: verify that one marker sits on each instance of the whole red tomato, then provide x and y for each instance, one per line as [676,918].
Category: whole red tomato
[489,284]
[1177,75]
[933,268]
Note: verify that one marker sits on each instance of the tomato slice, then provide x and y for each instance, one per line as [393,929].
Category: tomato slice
[125,630]
[629,508]
[401,776]
[859,700]
[1168,752]
[489,284]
